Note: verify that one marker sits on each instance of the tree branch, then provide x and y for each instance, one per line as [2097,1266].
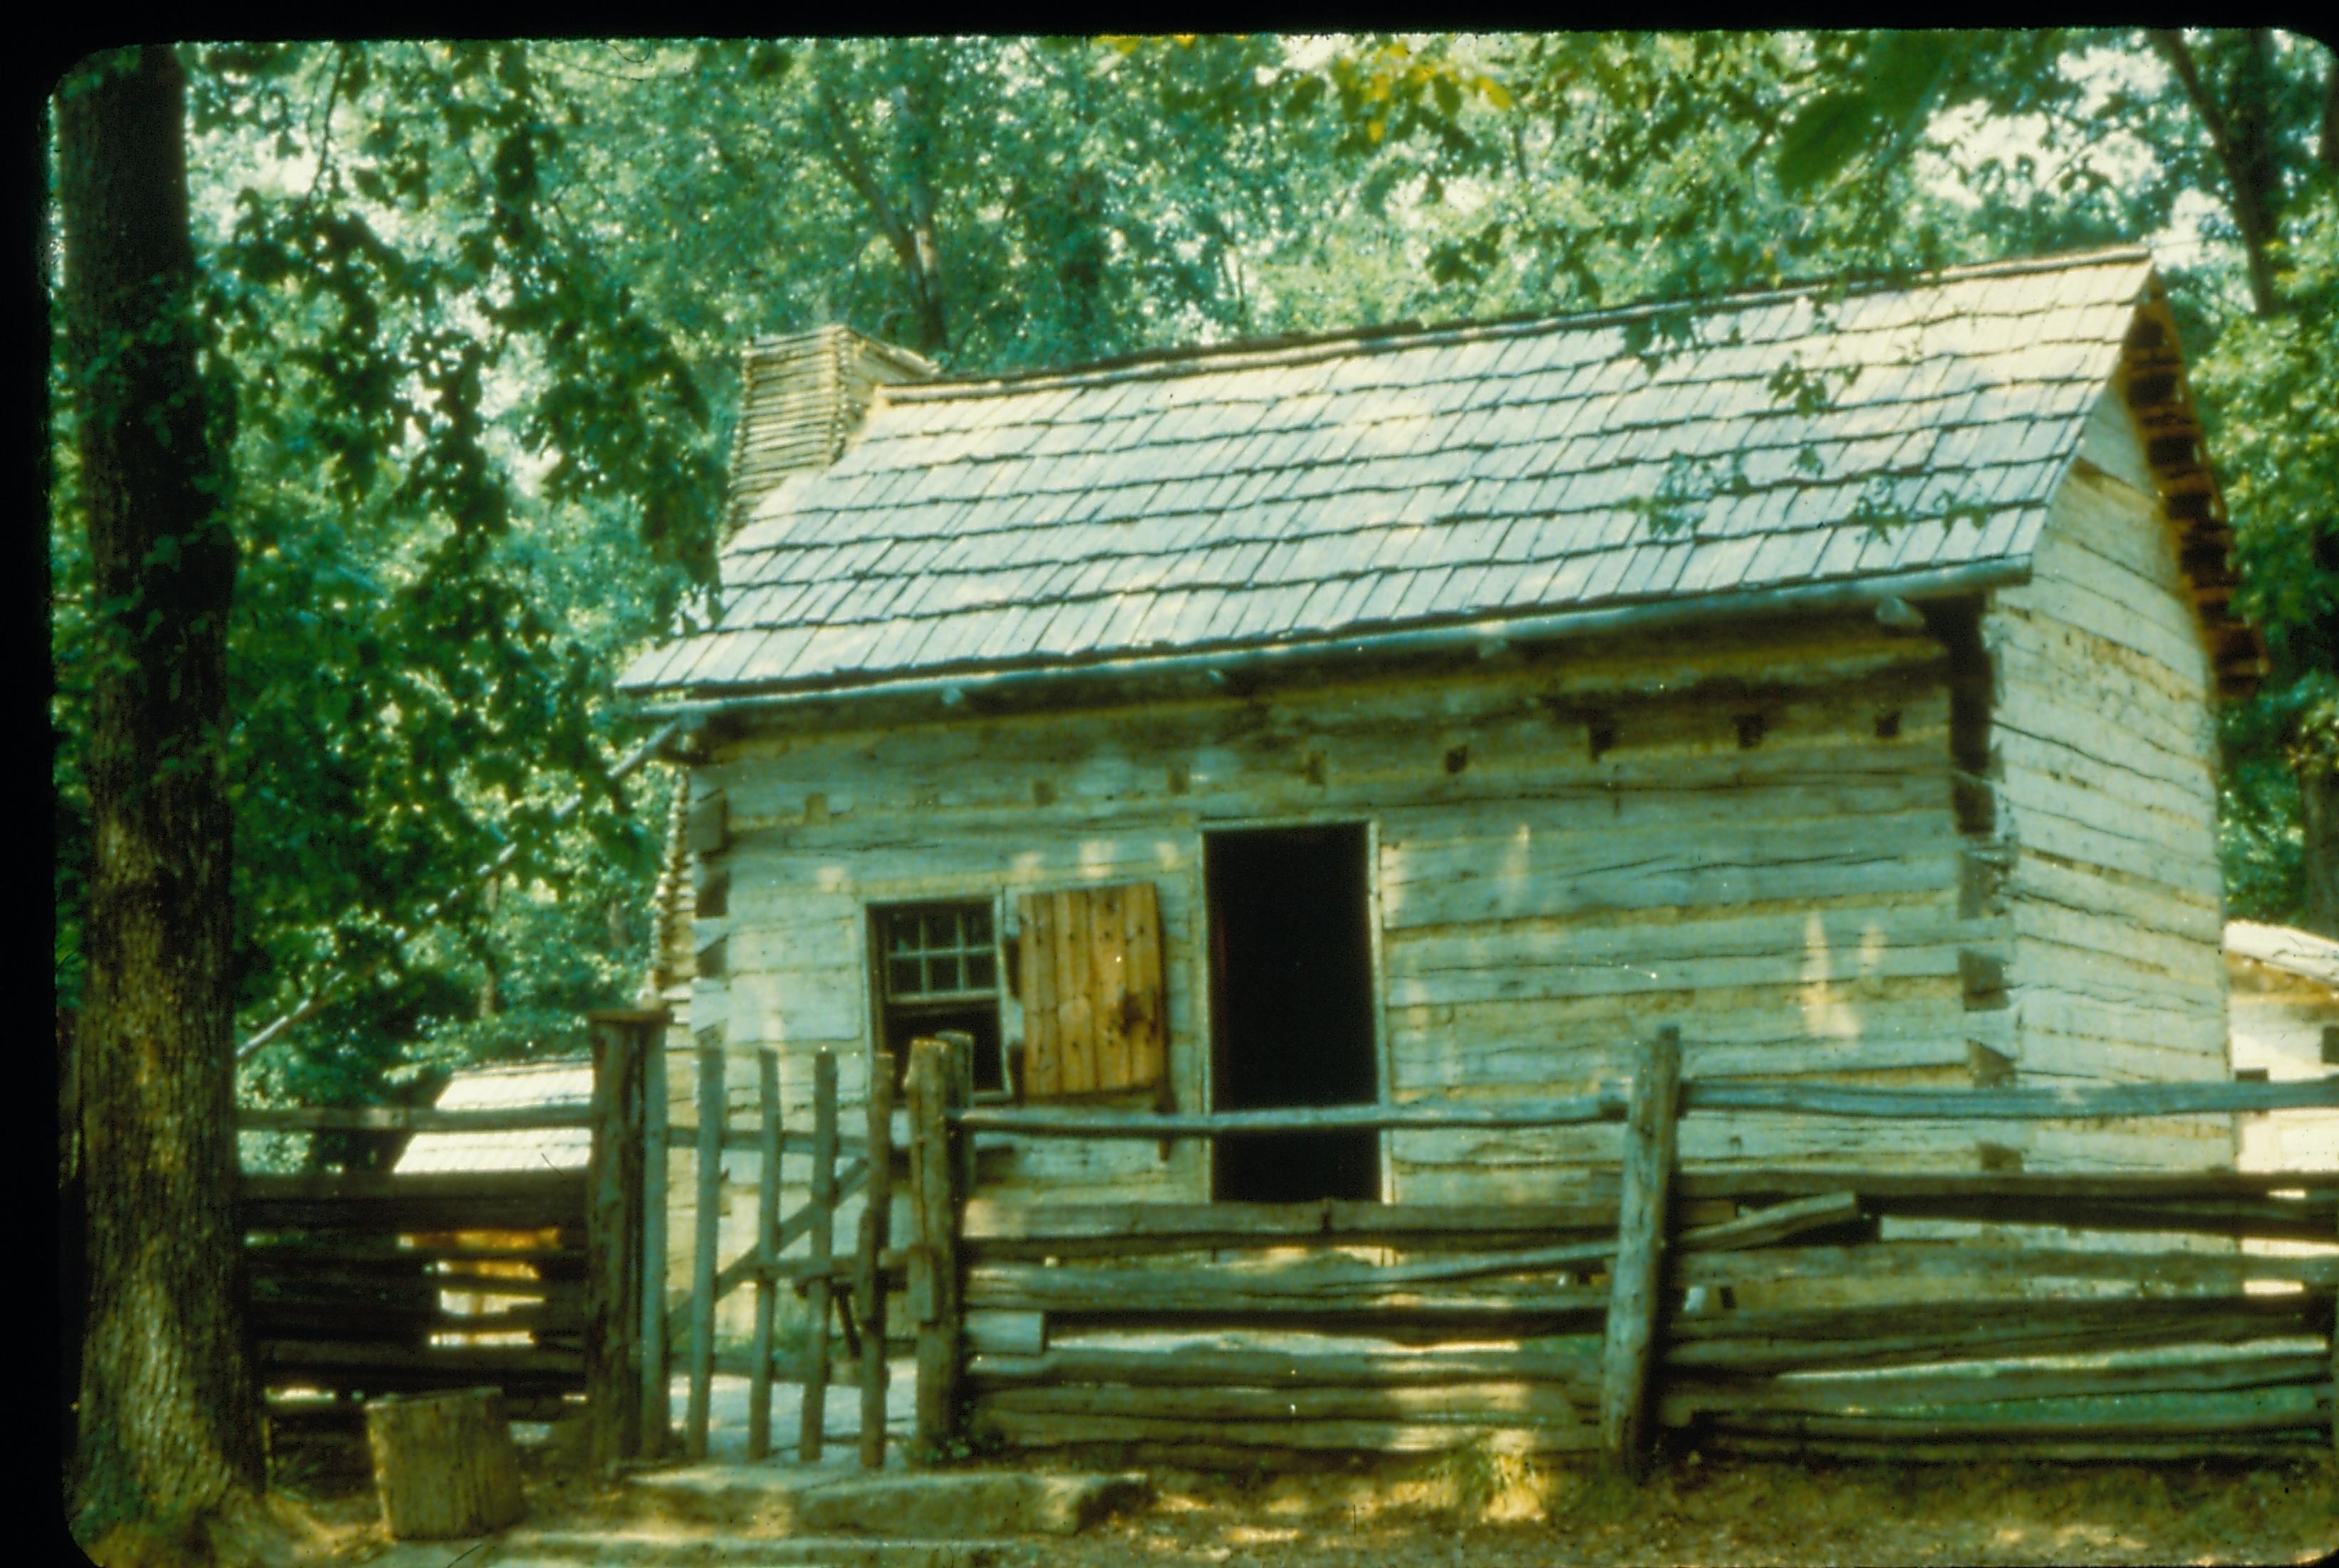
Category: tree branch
[2241,158]
[2330,147]
[844,151]
[325,123]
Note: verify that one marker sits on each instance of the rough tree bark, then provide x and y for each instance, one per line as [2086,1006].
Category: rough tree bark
[170,1418]
[2318,804]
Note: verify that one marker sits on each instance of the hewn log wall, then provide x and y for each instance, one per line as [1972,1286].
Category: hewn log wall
[1748,832]
[2101,735]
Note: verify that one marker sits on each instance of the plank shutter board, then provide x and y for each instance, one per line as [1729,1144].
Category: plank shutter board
[1144,1011]
[1108,977]
[1093,1019]
[1042,1065]
[1075,1019]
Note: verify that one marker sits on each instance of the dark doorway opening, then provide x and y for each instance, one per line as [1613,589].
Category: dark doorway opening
[1291,1007]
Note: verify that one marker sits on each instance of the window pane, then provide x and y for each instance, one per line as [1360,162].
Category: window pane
[978,927]
[903,934]
[980,973]
[902,976]
[941,929]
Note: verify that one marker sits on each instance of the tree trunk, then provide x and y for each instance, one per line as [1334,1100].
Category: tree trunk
[169,1417]
[913,106]
[72,1297]
[2318,814]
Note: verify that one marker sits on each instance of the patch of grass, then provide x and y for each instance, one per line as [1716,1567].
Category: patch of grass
[1490,1482]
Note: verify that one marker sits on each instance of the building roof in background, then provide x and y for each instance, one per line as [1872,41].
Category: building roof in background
[2285,948]
[566,1081]
[1369,483]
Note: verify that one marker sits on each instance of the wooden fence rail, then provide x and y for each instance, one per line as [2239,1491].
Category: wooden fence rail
[1611,1103]
[368,1284]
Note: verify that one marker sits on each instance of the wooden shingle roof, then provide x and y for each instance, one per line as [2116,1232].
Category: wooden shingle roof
[1373,483]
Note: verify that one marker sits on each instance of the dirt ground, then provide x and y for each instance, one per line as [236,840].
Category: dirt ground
[1486,1509]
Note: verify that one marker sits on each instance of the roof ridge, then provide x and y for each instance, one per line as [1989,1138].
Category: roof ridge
[1300,346]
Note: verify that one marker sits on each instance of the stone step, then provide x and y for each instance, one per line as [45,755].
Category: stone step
[668,1549]
[928,1505]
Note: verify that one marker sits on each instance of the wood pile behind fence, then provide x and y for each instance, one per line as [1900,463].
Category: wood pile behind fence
[1891,1313]
[379,1284]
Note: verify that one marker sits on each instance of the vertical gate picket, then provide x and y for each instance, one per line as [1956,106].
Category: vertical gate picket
[612,1229]
[657,1404]
[818,1295]
[869,1272]
[767,1228]
[711,1115]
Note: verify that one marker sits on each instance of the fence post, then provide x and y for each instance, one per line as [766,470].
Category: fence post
[657,1402]
[869,1274]
[1634,1293]
[612,1405]
[767,1256]
[934,1162]
[711,1117]
[813,1422]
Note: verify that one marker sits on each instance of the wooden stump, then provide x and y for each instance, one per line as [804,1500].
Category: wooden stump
[443,1464]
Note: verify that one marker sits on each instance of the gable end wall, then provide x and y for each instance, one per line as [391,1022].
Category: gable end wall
[2104,756]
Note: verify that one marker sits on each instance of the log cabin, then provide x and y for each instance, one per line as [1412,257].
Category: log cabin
[1422,714]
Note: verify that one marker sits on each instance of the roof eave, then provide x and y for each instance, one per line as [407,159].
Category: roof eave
[1477,635]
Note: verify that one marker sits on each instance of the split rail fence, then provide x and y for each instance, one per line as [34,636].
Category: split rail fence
[2112,1316]
[2161,1316]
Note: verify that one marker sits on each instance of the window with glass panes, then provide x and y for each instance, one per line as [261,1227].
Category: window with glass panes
[938,969]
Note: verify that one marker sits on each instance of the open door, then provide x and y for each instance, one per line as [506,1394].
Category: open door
[1291,1006]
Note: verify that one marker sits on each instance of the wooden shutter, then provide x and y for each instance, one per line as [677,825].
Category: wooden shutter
[1093,1019]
